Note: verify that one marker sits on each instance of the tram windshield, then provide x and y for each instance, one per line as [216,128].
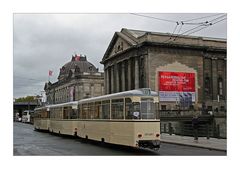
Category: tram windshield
[146,109]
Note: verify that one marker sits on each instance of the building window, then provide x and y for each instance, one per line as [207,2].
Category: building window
[222,108]
[163,107]
[209,108]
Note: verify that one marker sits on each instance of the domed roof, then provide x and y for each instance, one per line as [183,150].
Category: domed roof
[78,64]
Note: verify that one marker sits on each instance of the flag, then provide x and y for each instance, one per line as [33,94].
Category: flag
[77,58]
[50,72]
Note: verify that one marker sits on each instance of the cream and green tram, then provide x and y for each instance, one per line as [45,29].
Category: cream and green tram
[127,118]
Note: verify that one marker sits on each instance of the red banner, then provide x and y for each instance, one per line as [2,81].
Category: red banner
[177,81]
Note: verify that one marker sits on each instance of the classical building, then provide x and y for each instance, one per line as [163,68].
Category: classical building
[140,59]
[78,79]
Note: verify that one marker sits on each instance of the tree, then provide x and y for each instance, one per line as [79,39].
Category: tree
[25,99]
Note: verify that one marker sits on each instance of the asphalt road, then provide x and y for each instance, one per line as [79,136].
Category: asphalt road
[28,142]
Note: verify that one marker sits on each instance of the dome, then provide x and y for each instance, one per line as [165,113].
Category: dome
[78,64]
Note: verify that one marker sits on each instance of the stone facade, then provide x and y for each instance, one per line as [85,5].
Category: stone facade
[78,79]
[133,59]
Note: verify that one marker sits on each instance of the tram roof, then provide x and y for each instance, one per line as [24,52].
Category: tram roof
[57,105]
[137,92]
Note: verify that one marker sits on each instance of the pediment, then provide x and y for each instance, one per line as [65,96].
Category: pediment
[119,46]
[119,43]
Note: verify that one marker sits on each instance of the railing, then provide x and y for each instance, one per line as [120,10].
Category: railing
[173,113]
[205,129]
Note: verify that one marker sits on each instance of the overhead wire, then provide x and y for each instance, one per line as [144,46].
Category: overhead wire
[161,19]
[207,27]
[202,17]
[175,28]
[205,23]
[200,25]
[179,30]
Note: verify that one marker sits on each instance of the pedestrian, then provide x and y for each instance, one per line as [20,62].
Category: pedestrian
[195,125]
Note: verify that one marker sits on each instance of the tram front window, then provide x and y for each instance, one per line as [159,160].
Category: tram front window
[132,109]
[148,109]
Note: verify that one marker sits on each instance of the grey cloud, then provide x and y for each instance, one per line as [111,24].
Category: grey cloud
[45,42]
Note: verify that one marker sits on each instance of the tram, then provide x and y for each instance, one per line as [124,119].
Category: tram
[127,118]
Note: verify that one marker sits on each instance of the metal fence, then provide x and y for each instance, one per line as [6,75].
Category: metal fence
[186,129]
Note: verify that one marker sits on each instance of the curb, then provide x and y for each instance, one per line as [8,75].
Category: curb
[191,145]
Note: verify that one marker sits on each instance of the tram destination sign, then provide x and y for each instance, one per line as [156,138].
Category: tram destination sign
[176,86]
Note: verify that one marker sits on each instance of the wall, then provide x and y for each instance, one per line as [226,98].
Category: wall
[179,60]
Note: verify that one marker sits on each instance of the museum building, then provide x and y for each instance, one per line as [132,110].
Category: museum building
[177,66]
[78,79]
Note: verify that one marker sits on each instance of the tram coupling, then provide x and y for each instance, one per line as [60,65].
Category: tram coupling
[151,144]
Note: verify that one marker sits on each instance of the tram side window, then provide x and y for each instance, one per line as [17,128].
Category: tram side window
[98,110]
[52,113]
[66,112]
[106,109]
[128,108]
[91,110]
[117,109]
[73,113]
[80,111]
[85,110]
[48,114]
[157,112]
[44,114]
[56,113]
[37,114]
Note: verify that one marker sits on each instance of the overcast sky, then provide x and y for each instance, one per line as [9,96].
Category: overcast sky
[45,42]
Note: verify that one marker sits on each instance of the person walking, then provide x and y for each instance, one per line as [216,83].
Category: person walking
[195,125]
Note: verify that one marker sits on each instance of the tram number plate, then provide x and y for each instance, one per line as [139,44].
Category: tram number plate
[148,134]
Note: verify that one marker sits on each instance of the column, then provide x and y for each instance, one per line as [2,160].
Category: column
[109,80]
[106,81]
[116,78]
[129,74]
[136,73]
[112,79]
[123,76]
[119,76]
[214,79]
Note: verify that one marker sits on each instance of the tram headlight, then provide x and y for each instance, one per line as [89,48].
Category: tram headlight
[157,135]
[139,135]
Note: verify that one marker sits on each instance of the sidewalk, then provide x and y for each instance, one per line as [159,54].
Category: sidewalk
[203,142]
